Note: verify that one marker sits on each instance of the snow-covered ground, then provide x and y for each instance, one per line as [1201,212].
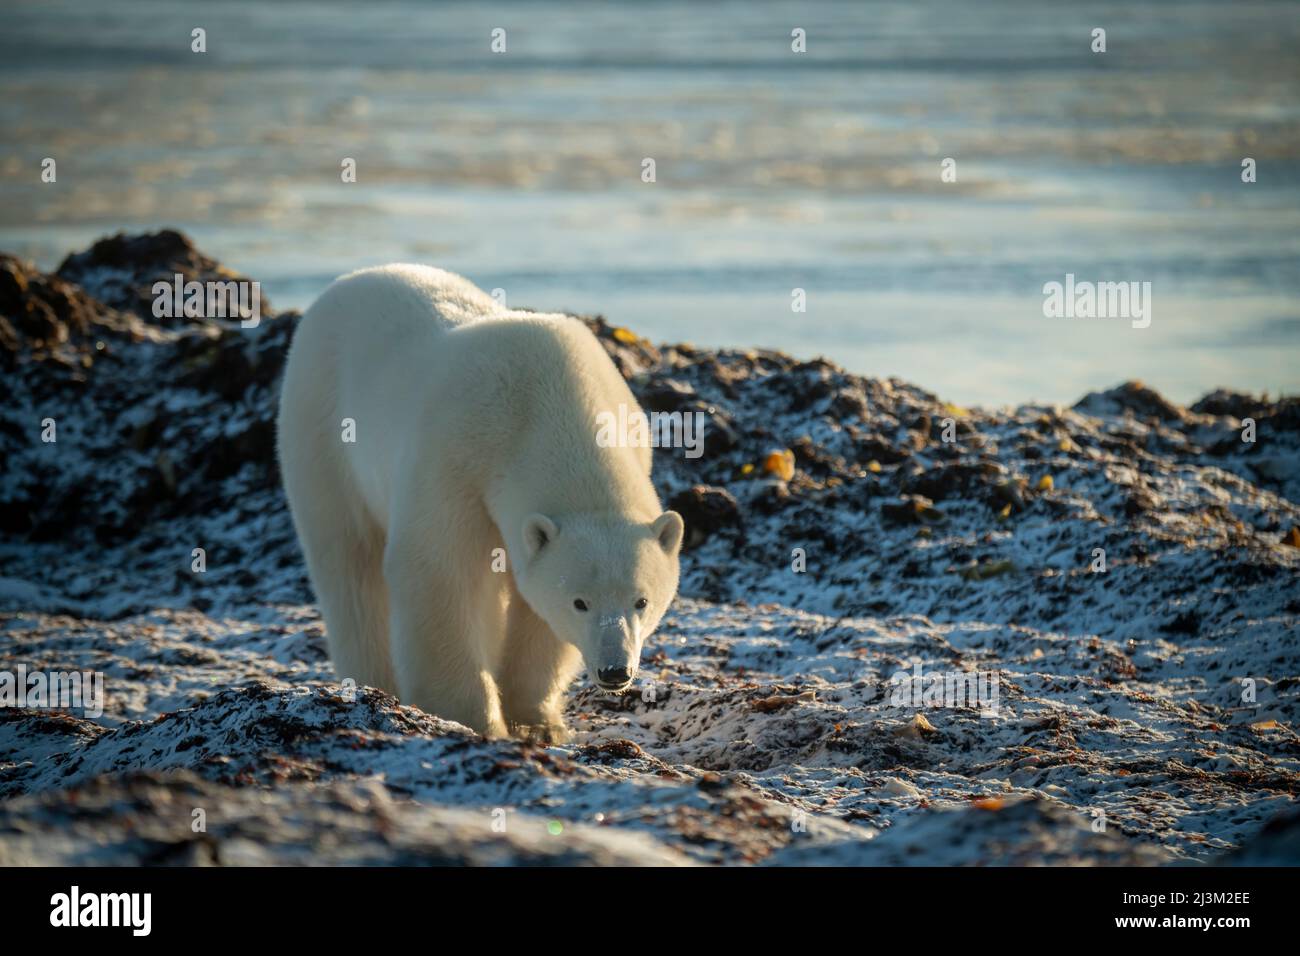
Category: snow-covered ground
[1120,578]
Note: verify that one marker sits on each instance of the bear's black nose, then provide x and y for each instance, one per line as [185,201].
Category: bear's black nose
[613,676]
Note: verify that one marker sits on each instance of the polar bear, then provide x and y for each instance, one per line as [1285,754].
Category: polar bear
[423,428]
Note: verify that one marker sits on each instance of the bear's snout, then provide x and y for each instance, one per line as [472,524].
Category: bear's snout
[613,678]
[619,646]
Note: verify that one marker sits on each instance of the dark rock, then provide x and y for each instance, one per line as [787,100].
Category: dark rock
[912,509]
[631,354]
[1140,501]
[41,312]
[1186,622]
[122,269]
[1278,844]
[958,478]
[1010,492]
[667,395]
[1235,404]
[1143,402]
[848,404]
[720,433]
[256,444]
[876,448]
[237,359]
[706,510]
[772,497]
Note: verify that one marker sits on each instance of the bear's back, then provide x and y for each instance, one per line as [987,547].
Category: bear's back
[407,293]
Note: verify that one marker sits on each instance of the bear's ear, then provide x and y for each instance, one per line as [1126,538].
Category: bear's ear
[539,530]
[668,529]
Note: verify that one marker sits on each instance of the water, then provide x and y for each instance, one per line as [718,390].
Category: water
[774,170]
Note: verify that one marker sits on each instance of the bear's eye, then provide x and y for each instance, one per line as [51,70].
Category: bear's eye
[641,604]
[580,604]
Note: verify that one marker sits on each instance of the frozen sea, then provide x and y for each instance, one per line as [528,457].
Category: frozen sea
[775,170]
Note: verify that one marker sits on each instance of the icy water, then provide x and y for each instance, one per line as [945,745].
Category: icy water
[775,170]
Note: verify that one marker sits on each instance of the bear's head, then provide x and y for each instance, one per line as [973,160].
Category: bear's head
[602,584]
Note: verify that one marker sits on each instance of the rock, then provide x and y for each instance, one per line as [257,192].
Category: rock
[958,479]
[1223,402]
[1140,501]
[42,311]
[912,509]
[894,787]
[1278,844]
[236,360]
[121,271]
[918,728]
[1009,494]
[849,404]
[875,447]
[706,511]
[1185,622]
[720,433]
[989,569]
[667,395]
[772,497]
[1134,397]
[631,354]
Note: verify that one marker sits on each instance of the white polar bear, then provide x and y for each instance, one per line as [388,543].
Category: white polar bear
[472,428]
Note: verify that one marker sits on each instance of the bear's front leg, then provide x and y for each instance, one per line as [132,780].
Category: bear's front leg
[446,627]
[536,670]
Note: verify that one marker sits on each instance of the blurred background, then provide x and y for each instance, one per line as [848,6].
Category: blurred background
[775,170]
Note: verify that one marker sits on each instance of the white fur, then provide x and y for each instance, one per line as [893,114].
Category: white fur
[475,429]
